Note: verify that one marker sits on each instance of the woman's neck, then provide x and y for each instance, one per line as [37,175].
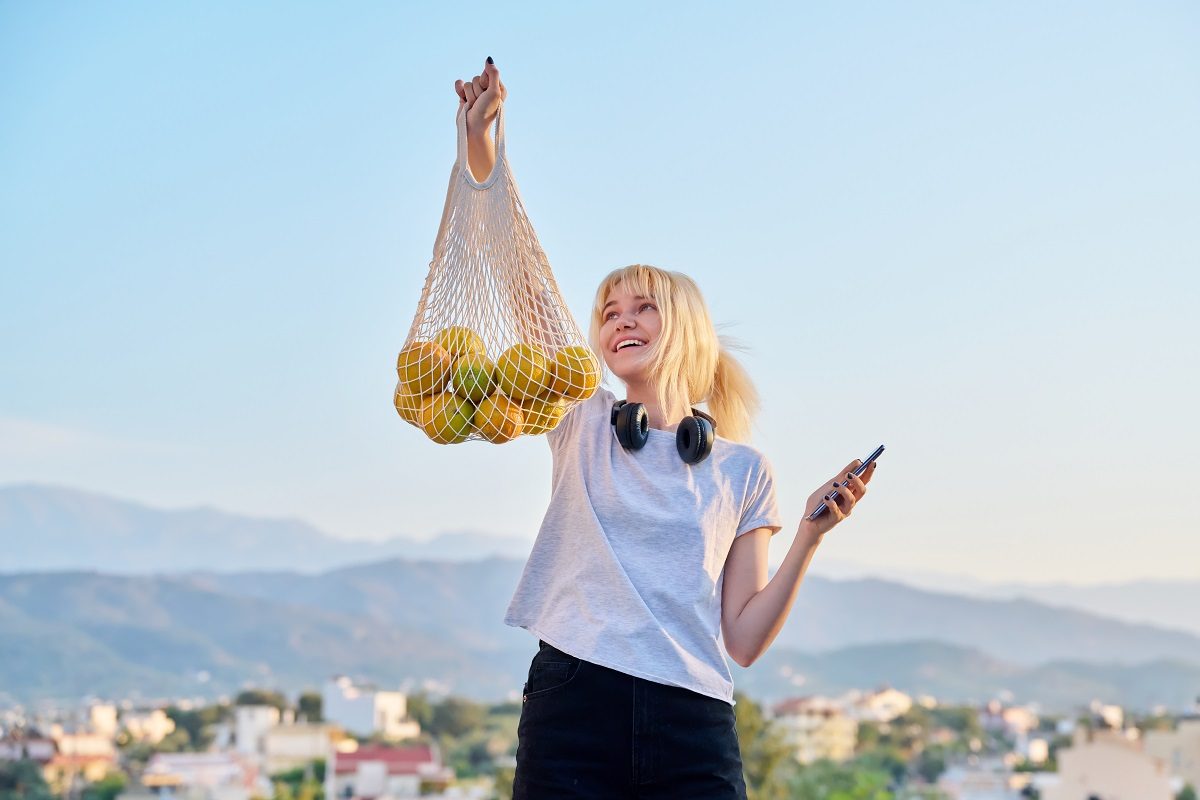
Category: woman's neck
[647,395]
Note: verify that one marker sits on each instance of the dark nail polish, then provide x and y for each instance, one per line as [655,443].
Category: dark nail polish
[490,60]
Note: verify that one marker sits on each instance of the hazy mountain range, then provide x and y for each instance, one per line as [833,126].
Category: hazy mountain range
[56,528]
[402,623]
[232,614]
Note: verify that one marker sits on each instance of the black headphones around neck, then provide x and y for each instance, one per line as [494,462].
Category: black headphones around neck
[693,438]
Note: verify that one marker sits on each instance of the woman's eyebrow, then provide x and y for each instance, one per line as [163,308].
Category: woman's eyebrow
[614,302]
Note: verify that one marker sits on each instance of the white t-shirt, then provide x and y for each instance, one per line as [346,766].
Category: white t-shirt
[627,569]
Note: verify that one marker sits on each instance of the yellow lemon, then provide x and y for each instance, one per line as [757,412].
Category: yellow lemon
[523,371]
[541,415]
[575,373]
[473,377]
[408,405]
[424,367]
[459,340]
[446,418]
[498,419]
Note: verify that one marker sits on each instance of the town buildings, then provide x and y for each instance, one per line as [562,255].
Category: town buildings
[1179,750]
[365,710]
[205,776]
[372,772]
[816,728]
[1109,764]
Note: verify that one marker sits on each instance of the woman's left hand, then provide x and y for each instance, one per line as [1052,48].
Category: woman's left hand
[850,489]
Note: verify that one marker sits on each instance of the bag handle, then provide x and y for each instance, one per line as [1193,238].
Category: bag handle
[464,163]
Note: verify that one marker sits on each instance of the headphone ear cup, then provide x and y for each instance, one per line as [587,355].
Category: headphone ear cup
[632,425]
[694,439]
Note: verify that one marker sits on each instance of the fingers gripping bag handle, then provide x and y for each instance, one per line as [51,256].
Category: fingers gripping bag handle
[463,164]
[493,352]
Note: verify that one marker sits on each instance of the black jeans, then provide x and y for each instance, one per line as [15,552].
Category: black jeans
[587,731]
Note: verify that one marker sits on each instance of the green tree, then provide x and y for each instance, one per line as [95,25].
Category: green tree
[887,760]
[198,722]
[826,780]
[767,761]
[301,783]
[931,763]
[177,741]
[909,731]
[261,697]
[504,783]
[136,754]
[310,706]
[868,737]
[23,780]
[963,720]
[1155,722]
[456,716]
[107,788]
[420,709]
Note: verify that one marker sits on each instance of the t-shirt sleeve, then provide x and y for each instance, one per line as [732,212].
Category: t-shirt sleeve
[567,430]
[760,509]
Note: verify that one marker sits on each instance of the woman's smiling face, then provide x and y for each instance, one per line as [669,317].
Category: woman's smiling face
[629,326]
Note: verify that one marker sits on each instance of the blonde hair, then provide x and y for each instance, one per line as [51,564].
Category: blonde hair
[690,363]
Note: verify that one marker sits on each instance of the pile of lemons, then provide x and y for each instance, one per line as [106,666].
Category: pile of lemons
[450,389]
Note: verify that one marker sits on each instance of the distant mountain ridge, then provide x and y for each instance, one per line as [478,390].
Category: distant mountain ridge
[966,675]
[65,529]
[204,599]
[59,528]
[1163,602]
[827,614]
[402,623]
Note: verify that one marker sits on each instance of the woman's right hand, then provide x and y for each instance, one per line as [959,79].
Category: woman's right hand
[482,95]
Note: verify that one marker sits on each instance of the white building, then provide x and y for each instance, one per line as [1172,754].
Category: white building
[251,724]
[1179,750]
[148,726]
[1014,721]
[393,772]
[883,705]
[85,744]
[287,747]
[1108,765]
[102,719]
[1037,751]
[986,781]
[364,710]
[75,757]
[205,776]
[1113,716]
[816,728]
[39,750]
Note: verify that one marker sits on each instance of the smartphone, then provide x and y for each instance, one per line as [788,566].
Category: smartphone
[821,509]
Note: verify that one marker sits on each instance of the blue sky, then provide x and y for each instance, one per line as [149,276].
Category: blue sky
[966,230]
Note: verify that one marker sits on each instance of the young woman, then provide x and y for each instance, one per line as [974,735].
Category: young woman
[648,568]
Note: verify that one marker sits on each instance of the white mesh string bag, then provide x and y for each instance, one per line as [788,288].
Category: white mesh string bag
[493,351]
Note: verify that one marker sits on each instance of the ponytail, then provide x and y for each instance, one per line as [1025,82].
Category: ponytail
[734,400]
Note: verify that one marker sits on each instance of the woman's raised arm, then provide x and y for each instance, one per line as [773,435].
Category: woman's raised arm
[482,96]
